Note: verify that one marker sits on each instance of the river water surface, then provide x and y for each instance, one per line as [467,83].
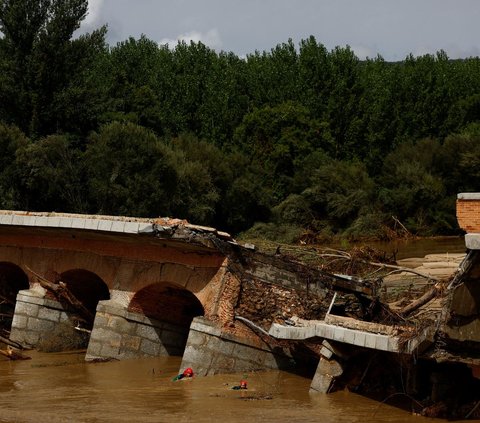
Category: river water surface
[61,387]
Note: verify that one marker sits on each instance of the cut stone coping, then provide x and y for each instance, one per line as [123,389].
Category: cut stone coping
[468,196]
[103,223]
[472,241]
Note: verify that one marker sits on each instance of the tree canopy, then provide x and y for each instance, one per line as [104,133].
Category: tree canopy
[292,141]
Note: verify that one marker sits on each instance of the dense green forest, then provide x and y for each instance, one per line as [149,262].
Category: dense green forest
[296,142]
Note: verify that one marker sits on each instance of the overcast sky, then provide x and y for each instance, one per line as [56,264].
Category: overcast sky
[391,28]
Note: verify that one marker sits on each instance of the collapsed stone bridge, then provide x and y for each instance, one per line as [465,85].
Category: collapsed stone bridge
[154,286]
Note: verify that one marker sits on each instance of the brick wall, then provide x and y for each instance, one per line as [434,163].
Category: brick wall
[468,212]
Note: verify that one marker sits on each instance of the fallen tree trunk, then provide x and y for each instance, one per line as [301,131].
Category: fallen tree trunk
[424,299]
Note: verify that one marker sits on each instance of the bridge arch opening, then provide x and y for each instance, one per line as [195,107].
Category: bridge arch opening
[12,280]
[168,303]
[87,287]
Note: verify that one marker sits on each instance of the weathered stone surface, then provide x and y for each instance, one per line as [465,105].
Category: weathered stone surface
[49,314]
[325,375]
[19,322]
[41,326]
[26,309]
[149,332]
[152,349]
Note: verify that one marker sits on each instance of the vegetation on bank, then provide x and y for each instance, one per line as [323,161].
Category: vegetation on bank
[295,143]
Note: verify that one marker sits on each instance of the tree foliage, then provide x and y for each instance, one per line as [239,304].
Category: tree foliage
[296,139]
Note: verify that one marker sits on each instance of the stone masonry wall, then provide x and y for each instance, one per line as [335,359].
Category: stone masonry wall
[120,334]
[36,317]
[210,350]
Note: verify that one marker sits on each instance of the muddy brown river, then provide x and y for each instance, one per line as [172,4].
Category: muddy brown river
[61,387]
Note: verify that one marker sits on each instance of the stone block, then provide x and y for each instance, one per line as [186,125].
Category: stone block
[78,223]
[94,348]
[148,332]
[91,224]
[53,222]
[30,338]
[130,227]
[110,351]
[121,325]
[19,322]
[349,337]
[41,221]
[197,339]
[118,226]
[104,225]
[6,219]
[101,321]
[201,325]
[152,349]
[370,340]
[37,325]
[129,354]
[18,220]
[325,352]
[130,342]
[199,360]
[223,364]
[219,345]
[26,309]
[145,228]
[49,314]
[381,342]
[104,335]
[325,375]
[359,338]
[67,222]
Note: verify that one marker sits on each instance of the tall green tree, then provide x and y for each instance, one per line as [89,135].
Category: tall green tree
[42,60]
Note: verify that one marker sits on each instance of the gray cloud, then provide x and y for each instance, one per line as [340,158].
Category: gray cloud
[391,28]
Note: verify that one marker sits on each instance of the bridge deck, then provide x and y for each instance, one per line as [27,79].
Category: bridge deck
[373,336]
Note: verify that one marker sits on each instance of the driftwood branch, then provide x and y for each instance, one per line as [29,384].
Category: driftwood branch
[11,343]
[7,300]
[424,299]
[13,355]
[62,292]
[397,269]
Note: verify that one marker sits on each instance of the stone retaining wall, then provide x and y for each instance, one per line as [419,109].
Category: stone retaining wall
[36,317]
[120,334]
[211,351]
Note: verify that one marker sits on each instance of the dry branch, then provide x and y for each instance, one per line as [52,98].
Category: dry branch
[61,291]
[10,342]
[424,299]
[13,355]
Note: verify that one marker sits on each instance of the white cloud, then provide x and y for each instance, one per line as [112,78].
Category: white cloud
[362,52]
[94,8]
[210,38]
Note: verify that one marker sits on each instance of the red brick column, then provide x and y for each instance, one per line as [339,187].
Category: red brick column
[468,212]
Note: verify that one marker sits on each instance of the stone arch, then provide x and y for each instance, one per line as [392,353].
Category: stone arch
[167,302]
[87,287]
[12,280]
